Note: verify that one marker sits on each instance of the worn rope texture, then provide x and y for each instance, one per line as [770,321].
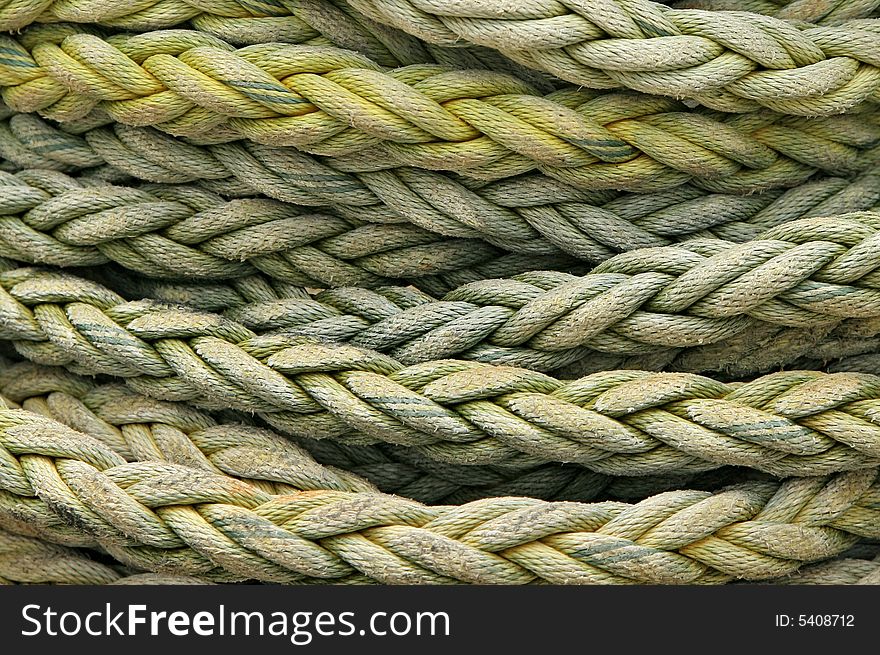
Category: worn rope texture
[760,349]
[821,12]
[167,518]
[334,102]
[530,210]
[185,232]
[27,560]
[806,275]
[173,232]
[308,22]
[144,429]
[836,572]
[617,423]
[732,61]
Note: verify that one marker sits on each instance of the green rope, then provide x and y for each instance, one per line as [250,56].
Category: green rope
[528,214]
[468,413]
[167,518]
[731,61]
[144,429]
[821,12]
[334,102]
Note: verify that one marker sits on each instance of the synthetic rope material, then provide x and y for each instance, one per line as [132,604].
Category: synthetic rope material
[731,61]
[167,518]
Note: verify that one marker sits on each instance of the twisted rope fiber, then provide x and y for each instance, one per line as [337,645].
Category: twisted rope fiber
[825,12]
[141,428]
[618,423]
[26,560]
[762,348]
[409,194]
[174,519]
[529,214]
[331,250]
[333,102]
[808,275]
[185,232]
[309,22]
[732,61]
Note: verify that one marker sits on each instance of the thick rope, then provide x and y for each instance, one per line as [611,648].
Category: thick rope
[761,349]
[175,232]
[809,275]
[468,413]
[821,12]
[143,429]
[731,61]
[184,232]
[334,102]
[529,206]
[173,519]
[27,560]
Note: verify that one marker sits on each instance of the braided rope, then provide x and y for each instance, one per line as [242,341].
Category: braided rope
[333,102]
[168,518]
[761,349]
[528,214]
[731,61]
[801,275]
[467,412]
[821,12]
[183,232]
[143,429]
[27,560]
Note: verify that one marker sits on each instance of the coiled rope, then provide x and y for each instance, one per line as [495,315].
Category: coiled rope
[332,250]
[176,518]
[731,61]
[469,413]
[204,237]
[335,102]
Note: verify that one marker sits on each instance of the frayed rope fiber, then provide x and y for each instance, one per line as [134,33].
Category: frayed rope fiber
[439,292]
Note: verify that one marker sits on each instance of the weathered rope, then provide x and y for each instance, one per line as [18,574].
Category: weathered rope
[822,12]
[143,429]
[173,232]
[468,413]
[27,560]
[808,274]
[334,102]
[168,518]
[185,232]
[732,61]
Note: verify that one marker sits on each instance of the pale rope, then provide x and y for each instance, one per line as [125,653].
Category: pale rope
[334,102]
[731,61]
[530,214]
[53,219]
[185,232]
[167,518]
[28,560]
[143,429]
[808,274]
[467,412]
[821,12]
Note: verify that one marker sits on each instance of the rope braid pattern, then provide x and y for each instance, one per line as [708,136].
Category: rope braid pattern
[616,423]
[307,22]
[639,303]
[731,61]
[185,232]
[529,214]
[27,560]
[185,521]
[760,349]
[143,429]
[826,12]
[333,102]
